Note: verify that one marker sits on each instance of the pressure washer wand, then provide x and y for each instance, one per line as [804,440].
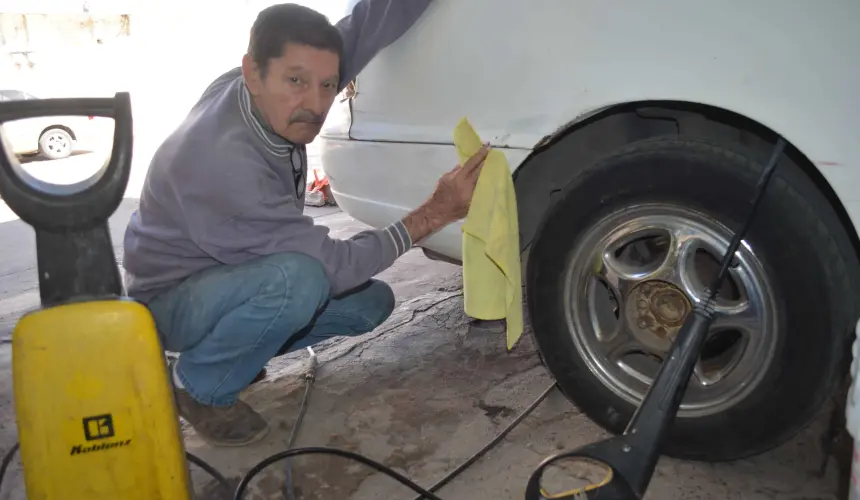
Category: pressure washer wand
[310,377]
[632,456]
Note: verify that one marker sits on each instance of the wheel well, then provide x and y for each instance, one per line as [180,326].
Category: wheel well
[542,177]
[61,127]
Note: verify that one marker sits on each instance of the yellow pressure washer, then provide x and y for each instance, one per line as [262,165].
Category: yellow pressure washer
[95,410]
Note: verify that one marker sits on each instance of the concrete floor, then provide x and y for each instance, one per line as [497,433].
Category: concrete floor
[421,394]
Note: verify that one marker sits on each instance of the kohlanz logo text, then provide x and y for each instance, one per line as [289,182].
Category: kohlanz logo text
[78,449]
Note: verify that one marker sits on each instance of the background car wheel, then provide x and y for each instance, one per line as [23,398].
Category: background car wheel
[56,144]
[619,262]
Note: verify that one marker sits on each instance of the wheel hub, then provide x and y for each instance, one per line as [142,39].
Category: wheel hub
[655,311]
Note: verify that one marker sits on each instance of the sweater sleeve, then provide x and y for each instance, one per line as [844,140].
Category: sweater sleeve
[250,214]
[372,26]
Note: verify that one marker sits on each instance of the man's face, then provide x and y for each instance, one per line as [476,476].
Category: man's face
[296,92]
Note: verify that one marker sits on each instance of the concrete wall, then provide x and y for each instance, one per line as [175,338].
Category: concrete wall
[46,31]
[57,54]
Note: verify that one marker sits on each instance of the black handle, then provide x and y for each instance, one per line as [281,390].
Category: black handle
[632,456]
[613,487]
[83,106]
[77,206]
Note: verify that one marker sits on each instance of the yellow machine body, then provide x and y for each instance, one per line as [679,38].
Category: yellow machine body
[96,413]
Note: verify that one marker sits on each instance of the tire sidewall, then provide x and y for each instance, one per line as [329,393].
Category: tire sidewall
[719,183]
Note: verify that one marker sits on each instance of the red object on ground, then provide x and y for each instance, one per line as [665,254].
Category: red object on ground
[319,193]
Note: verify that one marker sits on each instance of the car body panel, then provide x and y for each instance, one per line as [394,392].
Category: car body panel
[531,69]
[378,166]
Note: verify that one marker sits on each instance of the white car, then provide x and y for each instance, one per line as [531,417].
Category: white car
[53,137]
[636,134]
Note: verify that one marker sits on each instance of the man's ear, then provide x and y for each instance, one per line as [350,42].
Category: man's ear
[252,75]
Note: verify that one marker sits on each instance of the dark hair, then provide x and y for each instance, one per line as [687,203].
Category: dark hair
[280,24]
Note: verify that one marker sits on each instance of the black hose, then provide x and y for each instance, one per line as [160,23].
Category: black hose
[729,256]
[474,458]
[212,471]
[243,485]
[428,494]
[7,459]
[424,494]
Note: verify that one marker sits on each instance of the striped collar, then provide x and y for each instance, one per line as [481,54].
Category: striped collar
[276,144]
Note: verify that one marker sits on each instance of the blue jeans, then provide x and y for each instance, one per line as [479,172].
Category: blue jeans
[227,322]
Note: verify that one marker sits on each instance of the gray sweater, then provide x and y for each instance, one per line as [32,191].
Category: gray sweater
[223,189]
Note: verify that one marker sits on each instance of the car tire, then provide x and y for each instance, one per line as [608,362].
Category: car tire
[56,144]
[807,266]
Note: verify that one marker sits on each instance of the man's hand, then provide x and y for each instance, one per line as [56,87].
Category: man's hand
[450,200]
[454,190]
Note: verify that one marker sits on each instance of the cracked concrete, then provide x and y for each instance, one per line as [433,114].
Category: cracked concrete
[421,394]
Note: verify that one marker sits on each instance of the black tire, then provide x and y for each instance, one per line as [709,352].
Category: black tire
[49,151]
[806,253]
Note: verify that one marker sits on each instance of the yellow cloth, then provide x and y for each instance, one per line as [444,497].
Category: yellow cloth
[492,286]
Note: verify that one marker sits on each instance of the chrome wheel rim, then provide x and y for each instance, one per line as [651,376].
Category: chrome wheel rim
[631,280]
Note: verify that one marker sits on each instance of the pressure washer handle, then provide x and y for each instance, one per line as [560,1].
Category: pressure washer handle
[74,207]
[614,486]
[630,459]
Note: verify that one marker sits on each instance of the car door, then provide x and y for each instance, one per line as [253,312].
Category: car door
[406,102]
[485,67]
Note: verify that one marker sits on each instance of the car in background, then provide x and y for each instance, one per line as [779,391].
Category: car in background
[54,137]
[635,148]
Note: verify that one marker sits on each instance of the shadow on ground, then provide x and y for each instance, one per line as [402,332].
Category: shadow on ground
[36,158]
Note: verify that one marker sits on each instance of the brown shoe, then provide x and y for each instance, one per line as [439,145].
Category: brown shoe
[235,425]
[260,376]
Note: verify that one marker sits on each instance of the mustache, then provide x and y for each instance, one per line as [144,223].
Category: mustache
[306,116]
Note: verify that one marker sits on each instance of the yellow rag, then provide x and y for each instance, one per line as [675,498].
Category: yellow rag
[491,240]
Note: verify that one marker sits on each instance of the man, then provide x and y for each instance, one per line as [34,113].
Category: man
[220,250]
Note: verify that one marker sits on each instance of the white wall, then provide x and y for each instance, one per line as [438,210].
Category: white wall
[333,9]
